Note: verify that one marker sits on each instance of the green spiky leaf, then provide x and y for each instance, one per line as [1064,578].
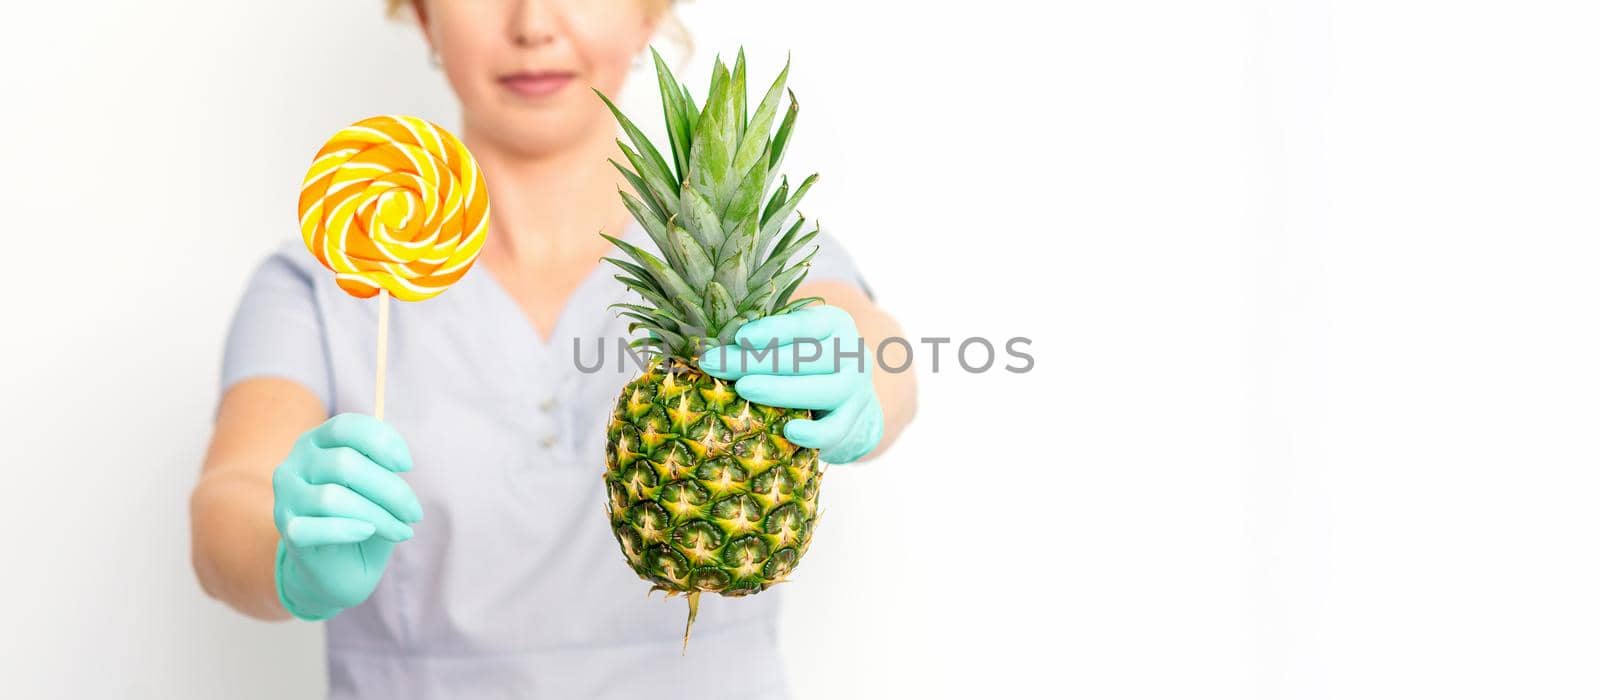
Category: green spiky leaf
[643,190]
[652,223]
[697,269]
[759,301]
[674,111]
[665,194]
[656,164]
[746,196]
[794,274]
[719,305]
[708,160]
[731,274]
[638,272]
[771,221]
[753,143]
[665,277]
[701,221]
[741,238]
[667,311]
[780,140]
[798,304]
[736,93]
[780,257]
[710,209]
[779,196]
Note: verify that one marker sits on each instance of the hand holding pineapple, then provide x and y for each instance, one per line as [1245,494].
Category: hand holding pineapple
[812,358]
[710,491]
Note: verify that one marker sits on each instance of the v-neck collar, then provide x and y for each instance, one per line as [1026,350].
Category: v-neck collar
[632,233]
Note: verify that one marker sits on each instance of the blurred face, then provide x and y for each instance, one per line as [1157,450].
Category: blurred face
[523,68]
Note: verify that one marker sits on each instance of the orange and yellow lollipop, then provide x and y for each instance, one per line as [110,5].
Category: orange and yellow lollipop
[394,204]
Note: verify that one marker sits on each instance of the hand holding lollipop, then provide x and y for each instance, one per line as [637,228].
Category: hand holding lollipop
[394,206]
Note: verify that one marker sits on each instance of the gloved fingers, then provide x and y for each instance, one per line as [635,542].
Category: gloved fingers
[344,465]
[314,531]
[374,438]
[861,439]
[823,391]
[828,430]
[339,501]
[802,357]
[815,322]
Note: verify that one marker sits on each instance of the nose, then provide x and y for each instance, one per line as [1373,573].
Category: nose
[532,24]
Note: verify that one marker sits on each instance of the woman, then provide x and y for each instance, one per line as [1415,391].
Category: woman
[513,586]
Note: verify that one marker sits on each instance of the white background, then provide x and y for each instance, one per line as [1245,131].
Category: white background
[1311,288]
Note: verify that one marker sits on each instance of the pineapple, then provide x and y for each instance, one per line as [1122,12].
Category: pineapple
[704,492]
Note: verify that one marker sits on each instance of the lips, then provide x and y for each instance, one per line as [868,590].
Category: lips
[537,83]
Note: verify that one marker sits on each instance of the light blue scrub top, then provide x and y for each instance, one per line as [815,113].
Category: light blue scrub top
[514,586]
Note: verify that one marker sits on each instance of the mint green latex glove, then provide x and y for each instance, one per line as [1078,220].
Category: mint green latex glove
[340,507]
[807,372]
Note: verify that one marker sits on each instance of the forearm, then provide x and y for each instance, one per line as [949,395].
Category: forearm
[897,391]
[234,542]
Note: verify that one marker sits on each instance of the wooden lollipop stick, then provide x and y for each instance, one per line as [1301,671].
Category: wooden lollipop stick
[383,351]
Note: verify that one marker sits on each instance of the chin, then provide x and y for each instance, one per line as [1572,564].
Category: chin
[534,132]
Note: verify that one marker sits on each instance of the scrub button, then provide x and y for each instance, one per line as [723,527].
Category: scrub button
[547,441]
[548,405]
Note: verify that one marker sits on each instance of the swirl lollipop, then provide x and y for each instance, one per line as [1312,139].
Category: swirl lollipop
[394,205]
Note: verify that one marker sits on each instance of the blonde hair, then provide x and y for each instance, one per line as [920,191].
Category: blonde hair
[406,9]
[396,6]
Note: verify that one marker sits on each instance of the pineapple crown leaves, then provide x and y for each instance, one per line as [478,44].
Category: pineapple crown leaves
[722,262]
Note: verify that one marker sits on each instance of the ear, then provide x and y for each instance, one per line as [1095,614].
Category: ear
[653,20]
[419,9]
